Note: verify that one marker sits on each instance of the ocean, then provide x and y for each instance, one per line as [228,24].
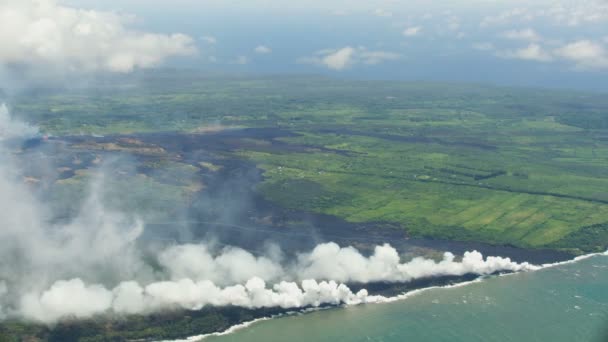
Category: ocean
[566,302]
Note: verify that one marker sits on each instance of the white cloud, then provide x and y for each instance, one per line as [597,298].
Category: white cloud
[578,12]
[412,31]
[507,17]
[585,53]
[339,59]
[242,60]
[532,52]
[209,39]
[483,46]
[262,49]
[44,33]
[453,23]
[566,13]
[525,34]
[340,13]
[346,57]
[380,12]
[376,57]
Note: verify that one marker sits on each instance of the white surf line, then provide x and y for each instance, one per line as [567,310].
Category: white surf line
[416,292]
[228,331]
[244,325]
[578,258]
[382,299]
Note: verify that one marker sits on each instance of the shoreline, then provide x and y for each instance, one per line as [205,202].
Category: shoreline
[385,300]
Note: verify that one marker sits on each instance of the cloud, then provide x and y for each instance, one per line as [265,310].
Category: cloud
[578,12]
[241,60]
[525,34]
[43,33]
[453,23]
[262,49]
[346,57]
[412,31]
[571,13]
[10,128]
[532,52]
[483,46]
[339,59]
[380,12]
[507,17]
[340,13]
[585,54]
[209,39]
[377,57]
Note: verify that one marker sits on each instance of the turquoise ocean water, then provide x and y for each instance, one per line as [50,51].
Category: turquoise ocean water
[565,303]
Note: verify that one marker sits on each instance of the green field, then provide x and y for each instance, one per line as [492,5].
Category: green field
[511,166]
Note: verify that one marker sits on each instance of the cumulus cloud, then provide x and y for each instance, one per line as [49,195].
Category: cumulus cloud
[483,46]
[44,33]
[507,16]
[453,23]
[577,13]
[532,52]
[563,13]
[412,31]
[209,39]
[585,54]
[525,34]
[241,60]
[262,49]
[339,59]
[346,57]
[381,12]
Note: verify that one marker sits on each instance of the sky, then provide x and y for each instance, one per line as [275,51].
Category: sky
[541,43]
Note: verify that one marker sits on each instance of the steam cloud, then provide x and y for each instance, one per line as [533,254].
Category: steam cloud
[92,264]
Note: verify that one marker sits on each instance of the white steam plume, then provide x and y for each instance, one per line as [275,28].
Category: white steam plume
[92,264]
[10,129]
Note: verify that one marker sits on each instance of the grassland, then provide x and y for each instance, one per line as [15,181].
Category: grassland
[466,162]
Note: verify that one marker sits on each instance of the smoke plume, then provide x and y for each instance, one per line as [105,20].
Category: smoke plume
[94,265]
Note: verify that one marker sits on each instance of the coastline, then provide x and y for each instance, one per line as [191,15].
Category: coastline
[384,300]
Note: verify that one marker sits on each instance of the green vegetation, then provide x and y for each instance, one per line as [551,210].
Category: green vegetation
[154,197]
[153,327]
[465,162]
